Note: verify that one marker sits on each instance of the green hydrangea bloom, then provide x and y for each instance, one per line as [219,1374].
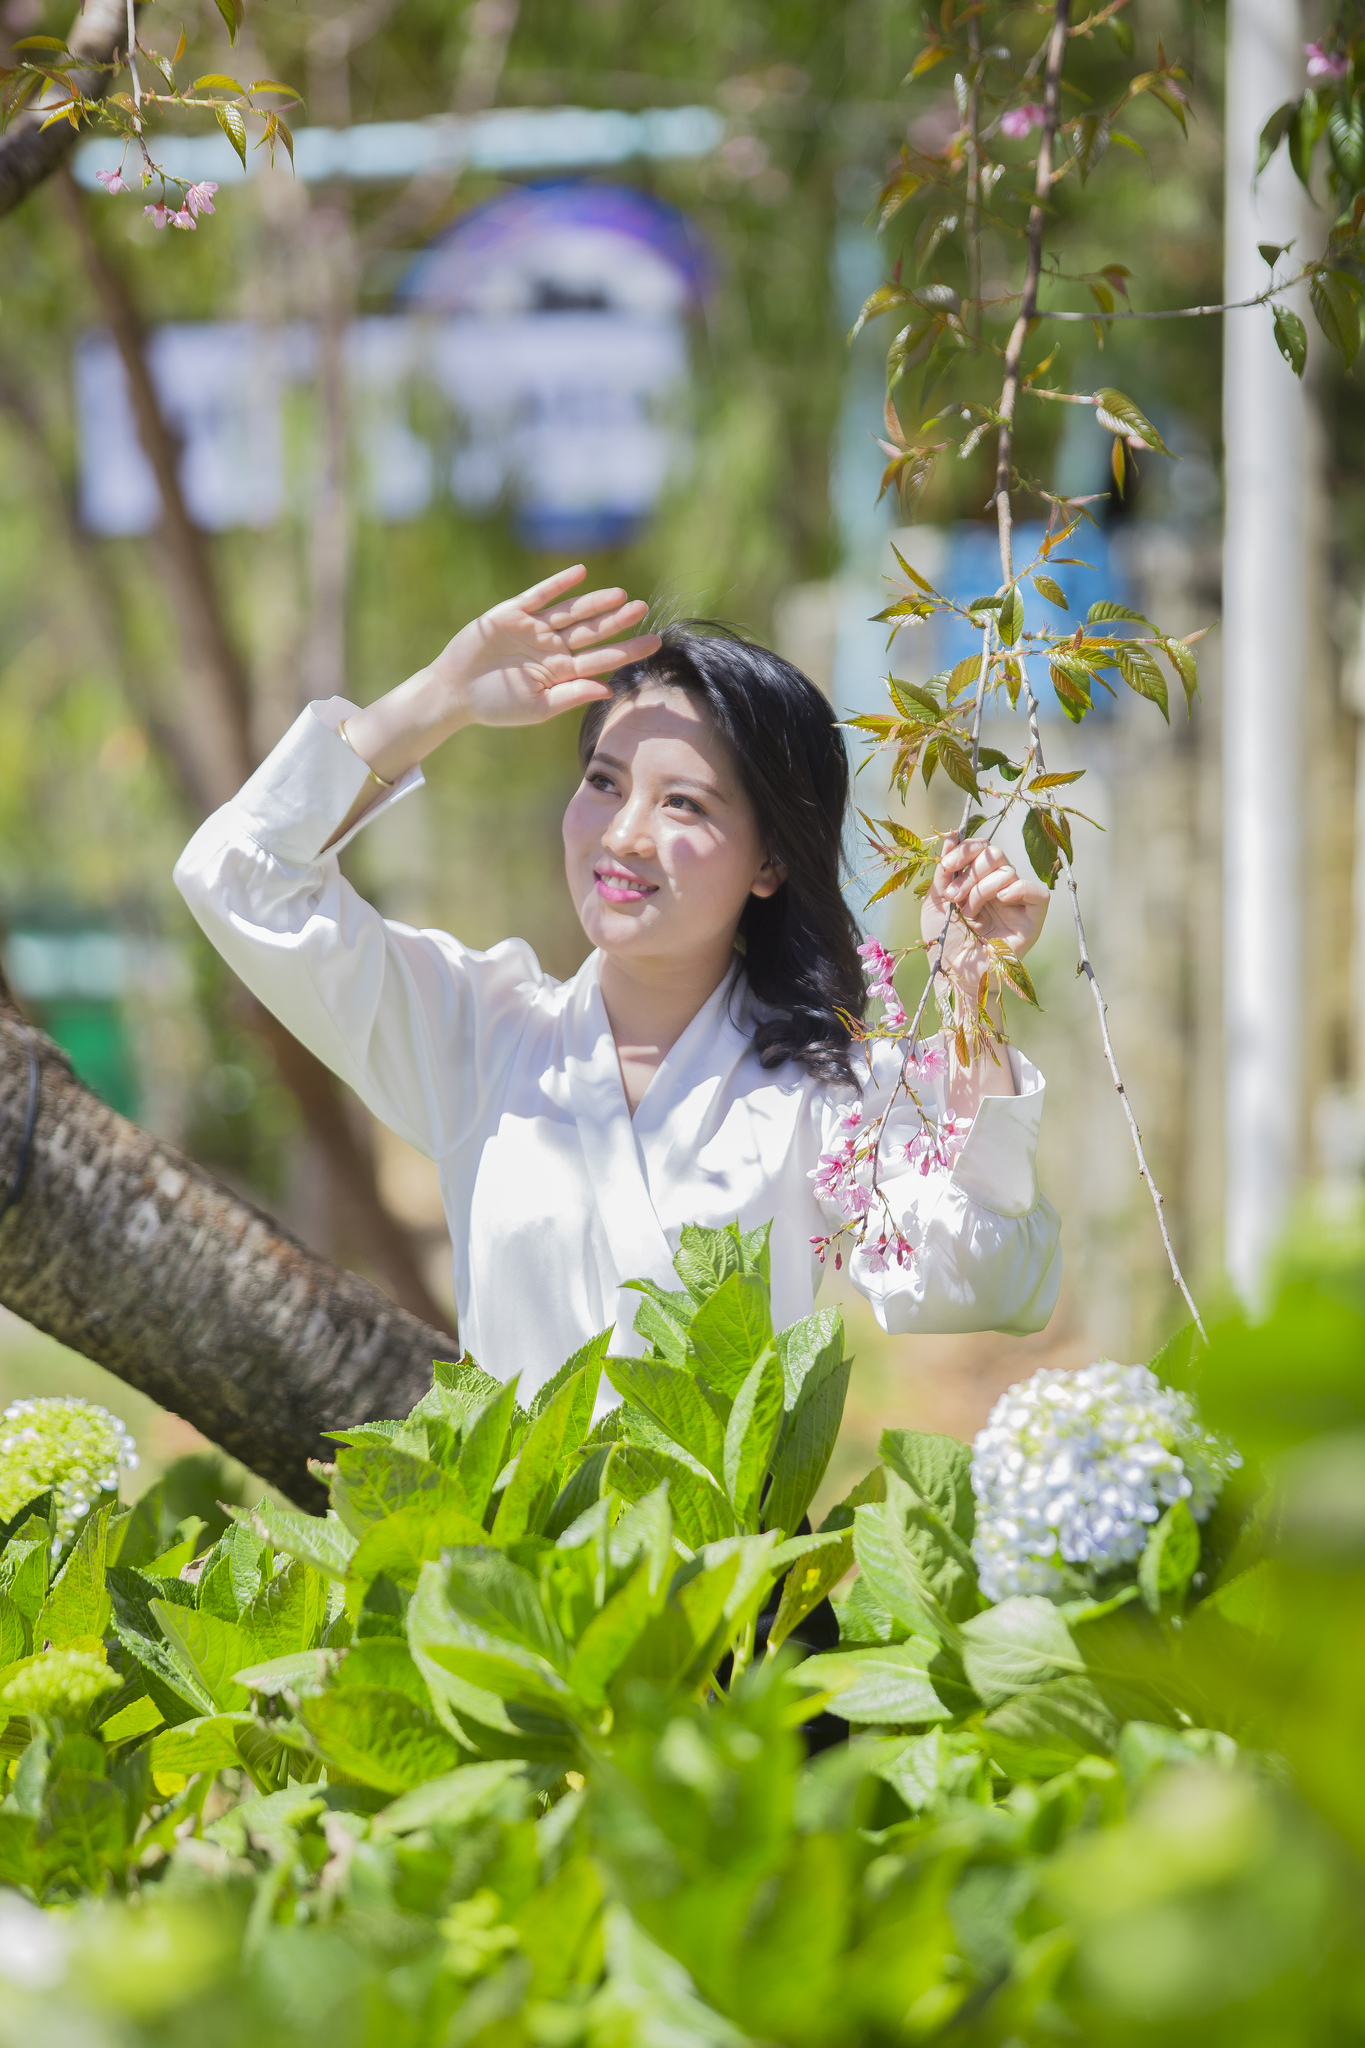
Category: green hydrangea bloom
[59,1681]
[74,1447]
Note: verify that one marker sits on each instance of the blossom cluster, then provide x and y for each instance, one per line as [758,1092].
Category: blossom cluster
[197,199]
[880,968]
[1074,1468]
[59,1681]
[1325,63]
[73,1447]
[1017,122]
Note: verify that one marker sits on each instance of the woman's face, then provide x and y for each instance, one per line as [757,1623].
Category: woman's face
[661,847]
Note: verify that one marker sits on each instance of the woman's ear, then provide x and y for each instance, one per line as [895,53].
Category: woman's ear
[769,879]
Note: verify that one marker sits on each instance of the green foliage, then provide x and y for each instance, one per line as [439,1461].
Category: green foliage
[460,1769]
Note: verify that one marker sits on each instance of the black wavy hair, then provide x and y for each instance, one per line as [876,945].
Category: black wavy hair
[799,944]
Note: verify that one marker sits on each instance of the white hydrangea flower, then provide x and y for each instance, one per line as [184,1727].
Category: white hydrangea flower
[75,1447]
[1073,1468]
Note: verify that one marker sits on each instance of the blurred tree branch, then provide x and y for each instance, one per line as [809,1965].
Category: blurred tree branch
[30,152]
[125,1250]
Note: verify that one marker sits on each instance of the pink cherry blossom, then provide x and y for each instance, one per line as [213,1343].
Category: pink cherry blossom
[1325,63]
[160,213]
[929,1062]
[199,198]
[1017,122]
[113,181]
[183,219]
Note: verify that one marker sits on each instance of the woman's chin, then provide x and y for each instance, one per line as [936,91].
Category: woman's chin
[619,927]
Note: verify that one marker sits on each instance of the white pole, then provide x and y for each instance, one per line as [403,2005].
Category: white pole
[1266,482]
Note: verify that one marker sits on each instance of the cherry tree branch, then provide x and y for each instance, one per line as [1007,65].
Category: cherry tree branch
[31,152]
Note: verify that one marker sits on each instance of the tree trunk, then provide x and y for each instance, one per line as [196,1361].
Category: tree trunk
[29,152]
[125,1250]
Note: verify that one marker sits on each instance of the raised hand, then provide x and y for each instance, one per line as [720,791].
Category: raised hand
[541,653]
[996,902]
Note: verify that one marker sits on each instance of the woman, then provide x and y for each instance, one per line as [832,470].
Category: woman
[698,1065]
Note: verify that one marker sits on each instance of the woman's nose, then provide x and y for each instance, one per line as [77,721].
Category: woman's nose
[628,831]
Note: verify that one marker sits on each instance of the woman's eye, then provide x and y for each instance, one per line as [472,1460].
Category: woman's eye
[684,803]
[599,781]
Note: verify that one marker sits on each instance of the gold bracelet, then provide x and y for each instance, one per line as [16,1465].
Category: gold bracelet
[361,758]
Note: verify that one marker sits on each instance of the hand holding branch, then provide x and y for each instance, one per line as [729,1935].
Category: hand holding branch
[995,905]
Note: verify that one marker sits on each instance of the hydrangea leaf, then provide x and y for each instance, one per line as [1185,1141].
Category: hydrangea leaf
[890,1686]
[1022,1642]
[380,1737]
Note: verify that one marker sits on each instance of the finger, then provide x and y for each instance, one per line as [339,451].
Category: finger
[553,586]
[620,621]
[587,606]
[572,696]
[600,661]
[989,889]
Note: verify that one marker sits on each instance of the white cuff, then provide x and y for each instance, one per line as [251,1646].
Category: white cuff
[301,792]
[998,1164]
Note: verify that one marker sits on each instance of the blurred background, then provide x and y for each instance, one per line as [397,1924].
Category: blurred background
[574,280]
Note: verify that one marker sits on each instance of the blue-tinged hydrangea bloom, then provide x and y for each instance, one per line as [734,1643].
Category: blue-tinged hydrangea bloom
[1072,1470]
[75,1447]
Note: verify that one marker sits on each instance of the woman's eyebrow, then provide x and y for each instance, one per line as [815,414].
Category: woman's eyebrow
[682,781]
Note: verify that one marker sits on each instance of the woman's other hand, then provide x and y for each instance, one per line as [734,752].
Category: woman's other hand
[541,653]
[997,903]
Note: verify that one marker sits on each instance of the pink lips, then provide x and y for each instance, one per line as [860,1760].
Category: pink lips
[616,886]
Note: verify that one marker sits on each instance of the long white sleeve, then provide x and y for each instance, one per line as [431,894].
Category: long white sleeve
[986,1242]
[419,1025]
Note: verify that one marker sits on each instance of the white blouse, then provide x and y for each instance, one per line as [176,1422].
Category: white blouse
[509,1080]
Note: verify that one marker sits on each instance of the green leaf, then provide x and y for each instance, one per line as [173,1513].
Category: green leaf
[77,1604]
[1046,1730]
[400,1545]
[1130,418]
[1043,856]
[1011,615]
[1051,590]
[210,1650]
[809,1351]
[911,700]
[486,1448]
[595,1348]
[206,1744]
[548,1454]
[374,1480]
[1122,32]
[611,1635]
[701,1513]
[81,1831]
[479,1618]
[1346,139]
[465,1382]
[663,1318]
[679,1403]
[895,1573]
[1104,609]
[1170,1559]
[705,1259]
[502,1790]
[230,118]
[807,1447]
[1336,307]
[289,1613]
[1142,675]
[1274,132]
[957,764]
[374,1736]
[325,1543]
[1291,339]
[1023,1642]
[730,1332]
[231,11]
[751,1434]
[889,1686]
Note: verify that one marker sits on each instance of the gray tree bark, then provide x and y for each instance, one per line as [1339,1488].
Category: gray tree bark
[29,152]
[125,1250]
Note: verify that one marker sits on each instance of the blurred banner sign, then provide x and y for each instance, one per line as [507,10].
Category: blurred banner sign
[539,363]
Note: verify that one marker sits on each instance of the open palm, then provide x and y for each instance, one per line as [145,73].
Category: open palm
[997,904]
[541,653]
